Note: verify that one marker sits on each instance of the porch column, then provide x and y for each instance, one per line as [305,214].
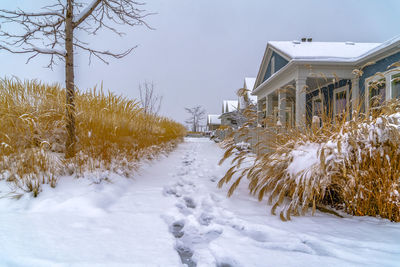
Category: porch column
[260,108]
[282,98]
[300,102]
[269,102]
[355,94]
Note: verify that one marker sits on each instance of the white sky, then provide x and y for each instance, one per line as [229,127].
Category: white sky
[201,50]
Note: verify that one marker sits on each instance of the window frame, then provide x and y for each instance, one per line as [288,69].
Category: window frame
[339,90]
[388,76]
[397,74]
[368,81]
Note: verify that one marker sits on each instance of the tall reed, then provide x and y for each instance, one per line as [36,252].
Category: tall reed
[113,133]
[347,164]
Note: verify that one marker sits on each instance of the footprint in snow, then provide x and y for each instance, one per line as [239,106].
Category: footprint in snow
[183,209]
[205,218]
[254,234]
[171,190]
[213,178]
[187,162]
[186,255]
[176,229]
[189,202]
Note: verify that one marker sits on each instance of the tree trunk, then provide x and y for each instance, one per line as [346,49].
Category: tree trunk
[69,82]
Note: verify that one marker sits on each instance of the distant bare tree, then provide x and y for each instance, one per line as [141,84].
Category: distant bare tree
[53,31]
[150,101]
[197,114]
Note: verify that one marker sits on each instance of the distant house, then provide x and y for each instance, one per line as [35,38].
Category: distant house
[301,79]
[244,94]
[213,122]
[229,116]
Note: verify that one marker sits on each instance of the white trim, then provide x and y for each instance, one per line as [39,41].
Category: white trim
[272,65]
[280,52]
[396,72]
[339,90]
[264,63]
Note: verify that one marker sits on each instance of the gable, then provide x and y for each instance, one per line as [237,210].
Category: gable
[214,119]
[229,106]
[249,83]
[275,63]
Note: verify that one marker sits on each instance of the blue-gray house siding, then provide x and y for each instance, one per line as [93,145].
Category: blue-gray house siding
[379,66]
[280,62]
[327,93]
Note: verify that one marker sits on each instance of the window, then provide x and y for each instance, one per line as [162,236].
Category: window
[340,100]
[395,85]
[377,93]
[381,87]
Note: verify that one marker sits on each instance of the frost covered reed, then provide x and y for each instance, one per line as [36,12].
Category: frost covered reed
[352,165]
[113,133]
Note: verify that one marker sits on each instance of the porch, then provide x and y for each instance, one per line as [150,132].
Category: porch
[292,99]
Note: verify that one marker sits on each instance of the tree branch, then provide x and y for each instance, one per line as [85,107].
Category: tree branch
[99,54]
[85,13]
[34,49]
[20,13]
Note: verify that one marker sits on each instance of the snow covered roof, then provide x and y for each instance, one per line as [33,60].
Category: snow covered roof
[249,83]
[229,106]
[296,52]
[213,119]
[323,51]
[243,103]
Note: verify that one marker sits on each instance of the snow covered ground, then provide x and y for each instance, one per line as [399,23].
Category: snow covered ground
[170,212]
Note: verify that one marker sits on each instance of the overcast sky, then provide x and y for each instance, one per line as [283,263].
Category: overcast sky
[201,50]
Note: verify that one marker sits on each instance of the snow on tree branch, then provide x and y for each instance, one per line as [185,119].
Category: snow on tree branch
[20,13]
[85,13]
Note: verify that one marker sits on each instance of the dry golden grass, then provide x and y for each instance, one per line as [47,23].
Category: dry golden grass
[113,133]
[357,170]
[365,180]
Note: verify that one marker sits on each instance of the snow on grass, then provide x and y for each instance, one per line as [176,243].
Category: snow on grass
[304,157]
[172,212]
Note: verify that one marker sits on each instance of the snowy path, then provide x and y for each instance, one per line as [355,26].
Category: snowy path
[172,212]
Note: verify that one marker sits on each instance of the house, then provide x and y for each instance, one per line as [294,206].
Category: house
[244,94]
[229,113]
[301,79]
[230,108]
[213,122]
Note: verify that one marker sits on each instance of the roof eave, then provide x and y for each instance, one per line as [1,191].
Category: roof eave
[273,77]
[377,52]
[301,61]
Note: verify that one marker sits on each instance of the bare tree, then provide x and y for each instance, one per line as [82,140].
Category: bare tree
[196,116]
[53,32]
[150,101]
